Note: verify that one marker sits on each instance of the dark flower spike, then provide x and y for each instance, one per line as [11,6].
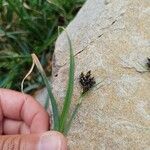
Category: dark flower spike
[148,63]
[86,81]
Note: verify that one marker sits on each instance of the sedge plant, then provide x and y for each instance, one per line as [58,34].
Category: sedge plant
[61,120]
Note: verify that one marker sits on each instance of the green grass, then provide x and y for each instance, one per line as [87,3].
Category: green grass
[49,90]
[30,27]
[60,120]
[69,92]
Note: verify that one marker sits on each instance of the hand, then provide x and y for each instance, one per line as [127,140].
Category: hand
[24,124]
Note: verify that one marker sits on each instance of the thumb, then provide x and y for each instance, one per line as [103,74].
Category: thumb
[44,141]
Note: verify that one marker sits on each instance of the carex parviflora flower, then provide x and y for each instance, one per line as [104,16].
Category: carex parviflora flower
[86,81]
[148,63]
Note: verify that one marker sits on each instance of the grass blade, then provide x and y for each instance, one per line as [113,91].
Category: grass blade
[75,111]
[69,92]
[49,90]
[32,67]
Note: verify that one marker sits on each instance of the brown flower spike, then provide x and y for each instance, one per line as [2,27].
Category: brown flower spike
[86,81]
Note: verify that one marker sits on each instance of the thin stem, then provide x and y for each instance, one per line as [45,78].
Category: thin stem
[68,126]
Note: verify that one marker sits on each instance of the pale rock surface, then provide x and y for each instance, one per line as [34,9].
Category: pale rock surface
[112,39]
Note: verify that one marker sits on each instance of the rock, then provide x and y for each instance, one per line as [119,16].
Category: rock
[112,39]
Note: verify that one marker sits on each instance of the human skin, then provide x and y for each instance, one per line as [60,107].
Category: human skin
[24,124]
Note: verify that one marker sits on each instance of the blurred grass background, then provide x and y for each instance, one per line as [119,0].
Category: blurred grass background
[30,26]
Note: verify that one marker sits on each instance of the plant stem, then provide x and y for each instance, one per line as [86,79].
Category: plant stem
[68,126]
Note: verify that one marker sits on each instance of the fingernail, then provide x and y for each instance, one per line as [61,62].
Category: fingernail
[50,141]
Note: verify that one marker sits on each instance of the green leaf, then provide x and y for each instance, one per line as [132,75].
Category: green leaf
[70,87]
[49,90]
[1,4]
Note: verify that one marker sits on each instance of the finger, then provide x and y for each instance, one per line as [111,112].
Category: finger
[48,141]
[22,107]
[1,121]
[11,127]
